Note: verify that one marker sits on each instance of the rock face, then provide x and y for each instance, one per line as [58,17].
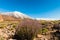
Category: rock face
[40,37]
[1,18]
[7,32]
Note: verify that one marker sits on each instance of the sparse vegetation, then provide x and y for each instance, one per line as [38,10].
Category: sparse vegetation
[27,30]
[43,31]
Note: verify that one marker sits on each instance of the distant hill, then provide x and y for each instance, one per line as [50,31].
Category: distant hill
[13,16]
[8,18]
[16,14]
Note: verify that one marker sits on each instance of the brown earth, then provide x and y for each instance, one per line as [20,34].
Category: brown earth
[8,18]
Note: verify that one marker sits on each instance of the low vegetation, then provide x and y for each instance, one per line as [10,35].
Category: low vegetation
[43,31]
[28,29]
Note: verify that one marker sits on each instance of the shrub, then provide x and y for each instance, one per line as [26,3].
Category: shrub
[27,30]
[1,38]
[43,31]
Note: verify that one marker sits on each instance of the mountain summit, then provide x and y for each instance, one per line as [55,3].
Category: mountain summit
[16,14]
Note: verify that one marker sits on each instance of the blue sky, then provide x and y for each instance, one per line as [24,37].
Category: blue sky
[33,8]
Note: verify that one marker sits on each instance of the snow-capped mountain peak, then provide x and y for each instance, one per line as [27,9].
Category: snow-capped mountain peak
[16,14]
[21,15]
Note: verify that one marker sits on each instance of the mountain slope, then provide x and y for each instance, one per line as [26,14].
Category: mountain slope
[16,14]
[9,18]
[19,15]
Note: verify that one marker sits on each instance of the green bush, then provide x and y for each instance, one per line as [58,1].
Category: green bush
[43,31]
[1,38]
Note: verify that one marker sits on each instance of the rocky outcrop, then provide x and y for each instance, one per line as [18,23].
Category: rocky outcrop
[1,18]
[7,32]
[40,37]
